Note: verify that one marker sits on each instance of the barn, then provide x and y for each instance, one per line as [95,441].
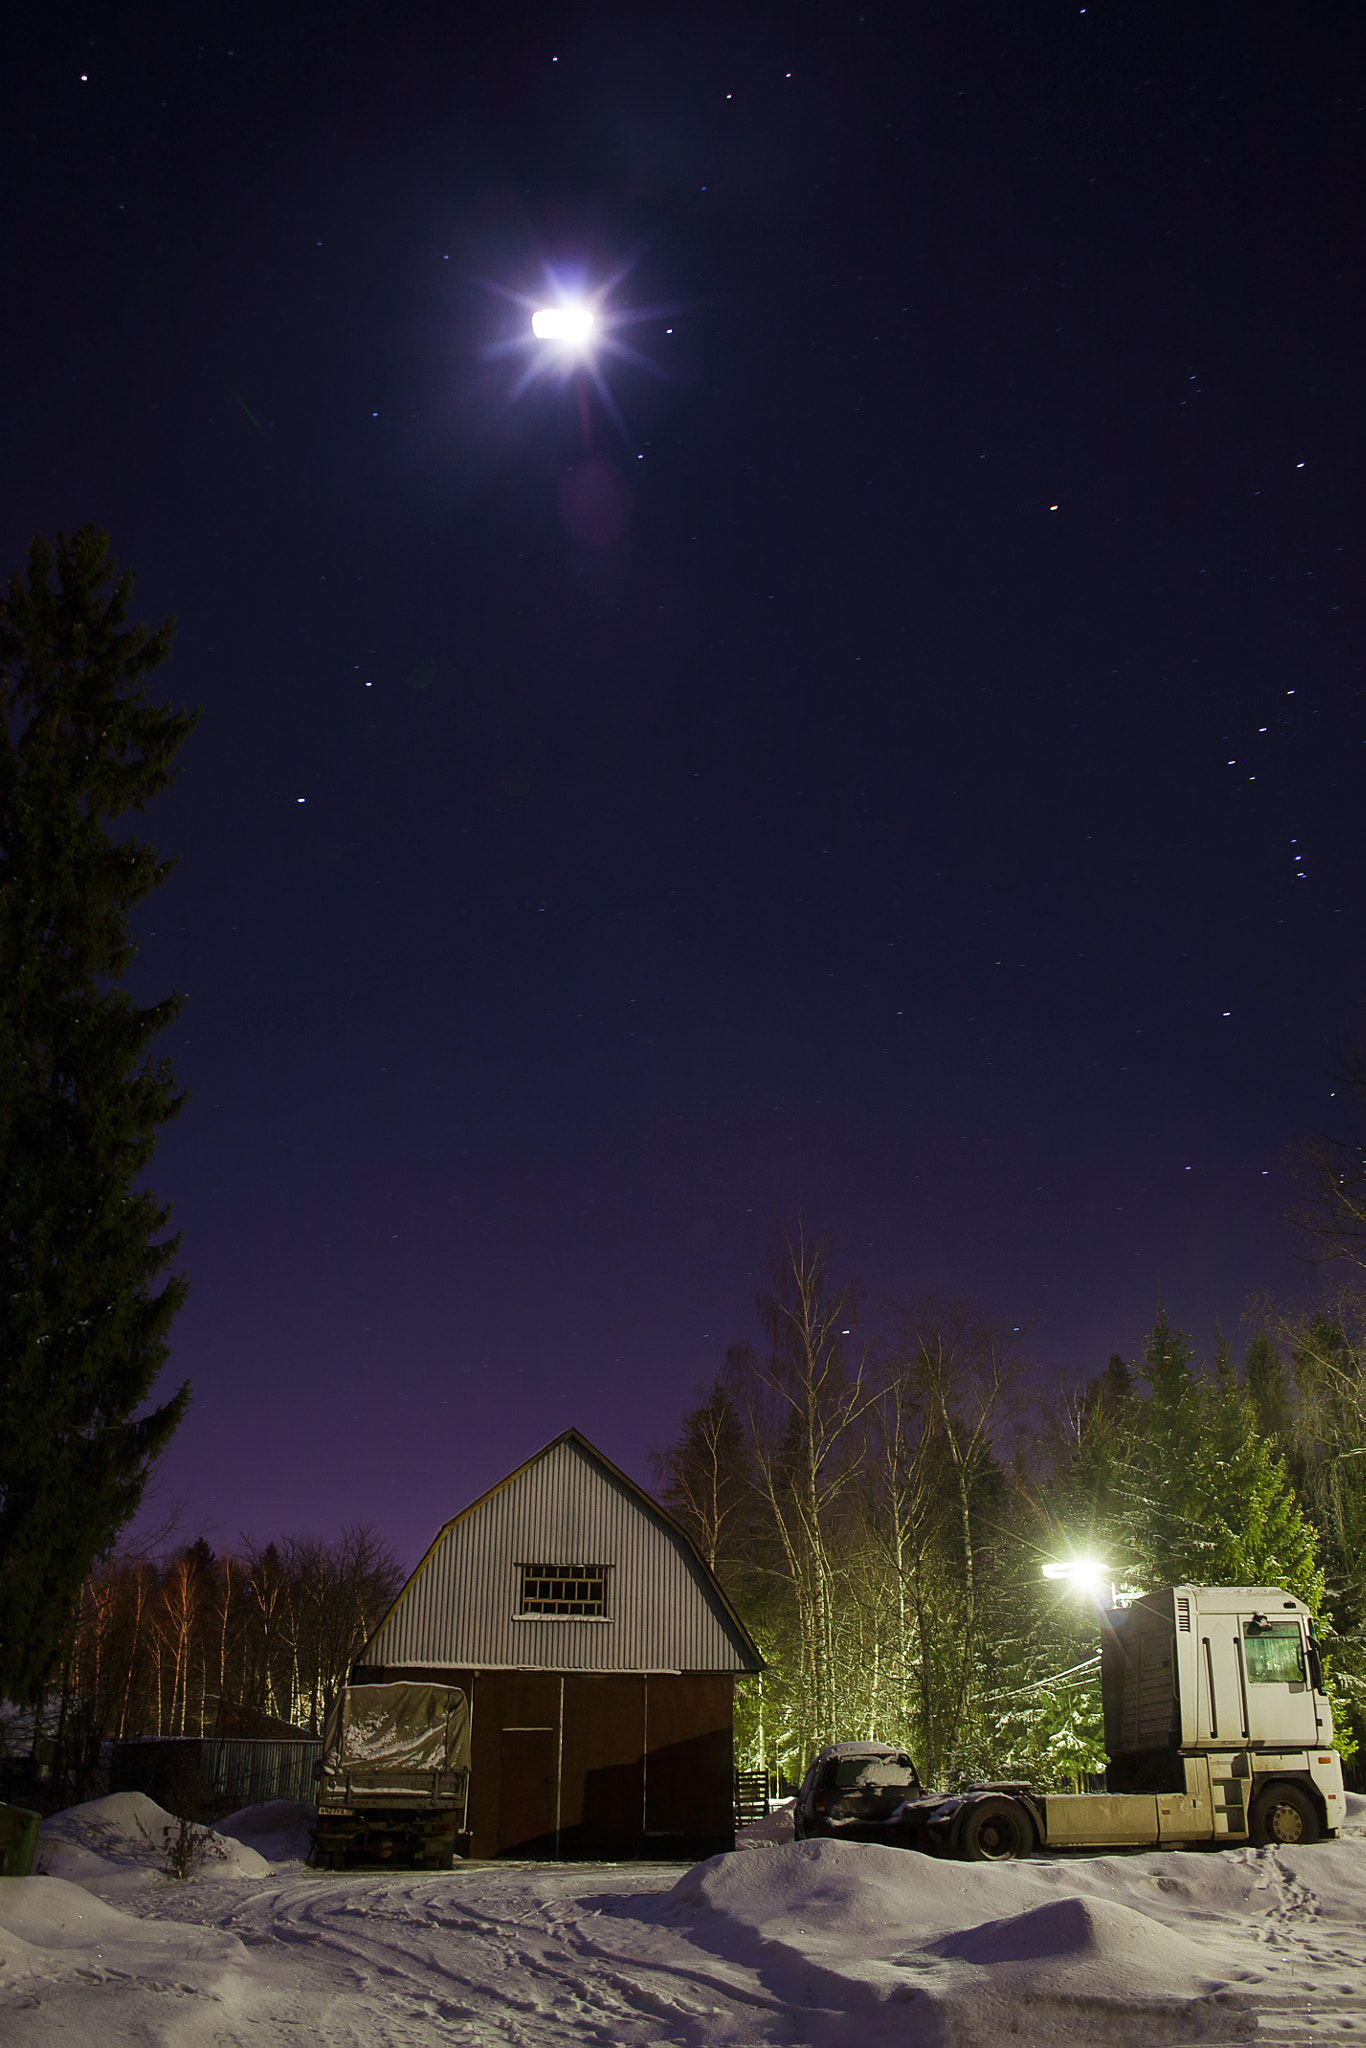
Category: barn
[599,1655]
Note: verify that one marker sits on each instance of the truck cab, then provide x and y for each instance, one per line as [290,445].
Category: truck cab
[1211,1668]
[1213,1697]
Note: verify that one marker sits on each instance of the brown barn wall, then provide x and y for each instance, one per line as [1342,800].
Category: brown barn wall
[515,1752]
[604,1746]
[689,1807]
[628,1764]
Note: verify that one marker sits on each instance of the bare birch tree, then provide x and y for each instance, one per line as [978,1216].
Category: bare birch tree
[1333,1218]
[705,1479]
[801,1403]
[962,1375]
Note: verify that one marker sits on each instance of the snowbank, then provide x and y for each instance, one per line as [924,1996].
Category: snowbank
[119,1842]
[281,1830]
[57,1942]
[768,1833]
[1135,1948]
[49,1913]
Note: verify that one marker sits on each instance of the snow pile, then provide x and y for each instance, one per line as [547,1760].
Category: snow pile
[55,1937]
[858,1891]
[49,1913]
[768,1833]
[281,1830]
[1089,1953]
[1087,1949]
[120,1841]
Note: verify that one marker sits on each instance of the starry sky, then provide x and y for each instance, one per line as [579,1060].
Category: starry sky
[903,770]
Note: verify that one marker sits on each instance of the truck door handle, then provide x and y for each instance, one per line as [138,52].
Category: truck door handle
[1209,1673]
[1242,1680]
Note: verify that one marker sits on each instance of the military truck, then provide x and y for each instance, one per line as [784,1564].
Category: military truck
[393,1778]
[1217,1728]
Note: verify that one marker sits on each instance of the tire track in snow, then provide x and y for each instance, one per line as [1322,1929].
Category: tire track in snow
[530,1975]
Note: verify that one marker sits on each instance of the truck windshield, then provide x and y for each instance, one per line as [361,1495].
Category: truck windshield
[1274,1654]
[872,1774]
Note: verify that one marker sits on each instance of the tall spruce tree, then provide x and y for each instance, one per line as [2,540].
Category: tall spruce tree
[86,1302]
[1268,1389]
[1198,1492]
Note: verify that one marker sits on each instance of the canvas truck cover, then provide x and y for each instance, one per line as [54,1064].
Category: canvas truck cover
[408,1728]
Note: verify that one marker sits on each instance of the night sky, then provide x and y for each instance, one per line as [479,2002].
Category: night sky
[906,772]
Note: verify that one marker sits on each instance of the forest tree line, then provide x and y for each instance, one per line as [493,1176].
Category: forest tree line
[880,1513]
[179,1645]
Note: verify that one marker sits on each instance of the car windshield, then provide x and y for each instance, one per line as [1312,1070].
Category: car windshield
[872,1774]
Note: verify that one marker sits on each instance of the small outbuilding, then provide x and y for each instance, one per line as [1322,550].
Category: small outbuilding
[599,1656]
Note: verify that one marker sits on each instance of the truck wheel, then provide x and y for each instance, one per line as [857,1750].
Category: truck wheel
[1283,1816]
[995,1831]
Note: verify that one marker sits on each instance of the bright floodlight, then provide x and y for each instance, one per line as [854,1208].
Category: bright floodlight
[572,324]
[1083,1572]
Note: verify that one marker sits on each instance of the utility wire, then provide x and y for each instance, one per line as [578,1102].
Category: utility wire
[1040,1683]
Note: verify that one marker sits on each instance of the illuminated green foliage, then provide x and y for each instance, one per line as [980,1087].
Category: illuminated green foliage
[1179,1483]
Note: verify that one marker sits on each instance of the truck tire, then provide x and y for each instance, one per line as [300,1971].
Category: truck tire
[1283,1816]
[995,1831]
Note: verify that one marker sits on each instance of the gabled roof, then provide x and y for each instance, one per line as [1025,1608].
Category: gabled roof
[648,1505]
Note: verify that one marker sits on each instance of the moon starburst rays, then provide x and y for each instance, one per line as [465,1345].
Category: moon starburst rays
[569,330]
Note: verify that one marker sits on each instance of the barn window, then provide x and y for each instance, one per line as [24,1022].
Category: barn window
[578,1591]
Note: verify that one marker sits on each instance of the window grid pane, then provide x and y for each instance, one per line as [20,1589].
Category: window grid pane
[572,1589]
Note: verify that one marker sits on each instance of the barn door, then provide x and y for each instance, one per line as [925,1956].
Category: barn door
[528,1769]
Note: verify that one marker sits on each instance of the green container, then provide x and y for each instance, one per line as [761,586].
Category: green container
[18,1840]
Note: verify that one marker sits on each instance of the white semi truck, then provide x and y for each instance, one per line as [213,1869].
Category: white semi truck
[1217,1728]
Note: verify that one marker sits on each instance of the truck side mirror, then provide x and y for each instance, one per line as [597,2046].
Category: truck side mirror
[1315,1667]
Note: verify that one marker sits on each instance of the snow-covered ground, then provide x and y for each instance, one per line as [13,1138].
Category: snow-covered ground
[818,1943]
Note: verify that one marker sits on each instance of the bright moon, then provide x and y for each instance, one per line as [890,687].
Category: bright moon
[570,338]
[573,324]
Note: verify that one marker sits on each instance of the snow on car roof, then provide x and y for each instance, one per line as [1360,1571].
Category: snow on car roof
[860,1749]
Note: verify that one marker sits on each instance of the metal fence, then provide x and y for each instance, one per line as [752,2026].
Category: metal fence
[209,1776]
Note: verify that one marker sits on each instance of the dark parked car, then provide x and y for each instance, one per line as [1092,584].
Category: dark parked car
[851,1789]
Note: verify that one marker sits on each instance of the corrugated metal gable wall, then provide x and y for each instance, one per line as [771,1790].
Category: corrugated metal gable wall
[458,1607]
